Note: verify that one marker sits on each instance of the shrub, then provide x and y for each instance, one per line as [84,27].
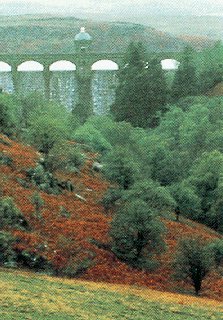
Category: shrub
[76,258]
[206,177]
[64,156]
[193,261]
[38,203]
[43,179]
[45,133]
[136,234]
[9,114]
[90,136]
[7,254]
[10,215]
[156,197]
[76,267]
[32,260]
[5,160]
[110,198]
[187,200]
[216,247]
[120,167]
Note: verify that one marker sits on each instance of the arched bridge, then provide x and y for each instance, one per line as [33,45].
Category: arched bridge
[83,62]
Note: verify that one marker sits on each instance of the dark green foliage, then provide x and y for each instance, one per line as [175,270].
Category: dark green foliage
[31,260]
[193,261]
[206,177]
[123,136]
[7,255]
[136,234]
[9,114]
[166,165]
[5,160]
[185,152]
[47,127]
[4,142]
[45,133]
[43,179]
[89,135]
[110,198]
[77,267]
[142,90]
[38,203]
[78,259]
[216,247]
[185,82]
[185,103]
[188,202]
[25,184]
[64,156]
[211,67]
[209,79]
[120,167]
[157,198]
[30,104]
[10,215]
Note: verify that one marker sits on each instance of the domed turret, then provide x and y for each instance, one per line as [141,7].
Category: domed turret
[83,36]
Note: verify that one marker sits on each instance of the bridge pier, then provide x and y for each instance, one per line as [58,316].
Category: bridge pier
[15,78]
[84,106]
[46,78]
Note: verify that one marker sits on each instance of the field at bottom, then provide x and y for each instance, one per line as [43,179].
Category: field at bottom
[27,296]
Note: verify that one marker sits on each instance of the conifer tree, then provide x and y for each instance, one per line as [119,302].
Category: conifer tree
[141,90]
[185,82]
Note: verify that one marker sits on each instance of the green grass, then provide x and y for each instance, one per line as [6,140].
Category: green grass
[24,296]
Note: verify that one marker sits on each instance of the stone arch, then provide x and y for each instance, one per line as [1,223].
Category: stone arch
[104,64]
[170,64]
[62,65]
[30,65]
[5,67]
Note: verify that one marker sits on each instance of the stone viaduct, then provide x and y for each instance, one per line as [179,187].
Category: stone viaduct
[83,59]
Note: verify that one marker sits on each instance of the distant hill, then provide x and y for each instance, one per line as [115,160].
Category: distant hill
[42,34]
[207,26]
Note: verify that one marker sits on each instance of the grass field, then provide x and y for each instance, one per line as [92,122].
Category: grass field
[26,296]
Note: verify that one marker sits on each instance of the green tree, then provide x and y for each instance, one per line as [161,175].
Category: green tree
[91,137]
[136,234]
[7,254]
[207,178]
[47,126]
[30,104]
[185,82]
[216,247]
[10,215]
[64,156]
[38,203]
[9,114]
[46,131]
[193,261]
[158,198]
[187,200]
[121,167]
[211,67]
[141,91]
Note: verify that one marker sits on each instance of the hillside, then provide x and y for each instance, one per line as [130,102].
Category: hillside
[39,34]
[74,238]
[209,26]
[29,296]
